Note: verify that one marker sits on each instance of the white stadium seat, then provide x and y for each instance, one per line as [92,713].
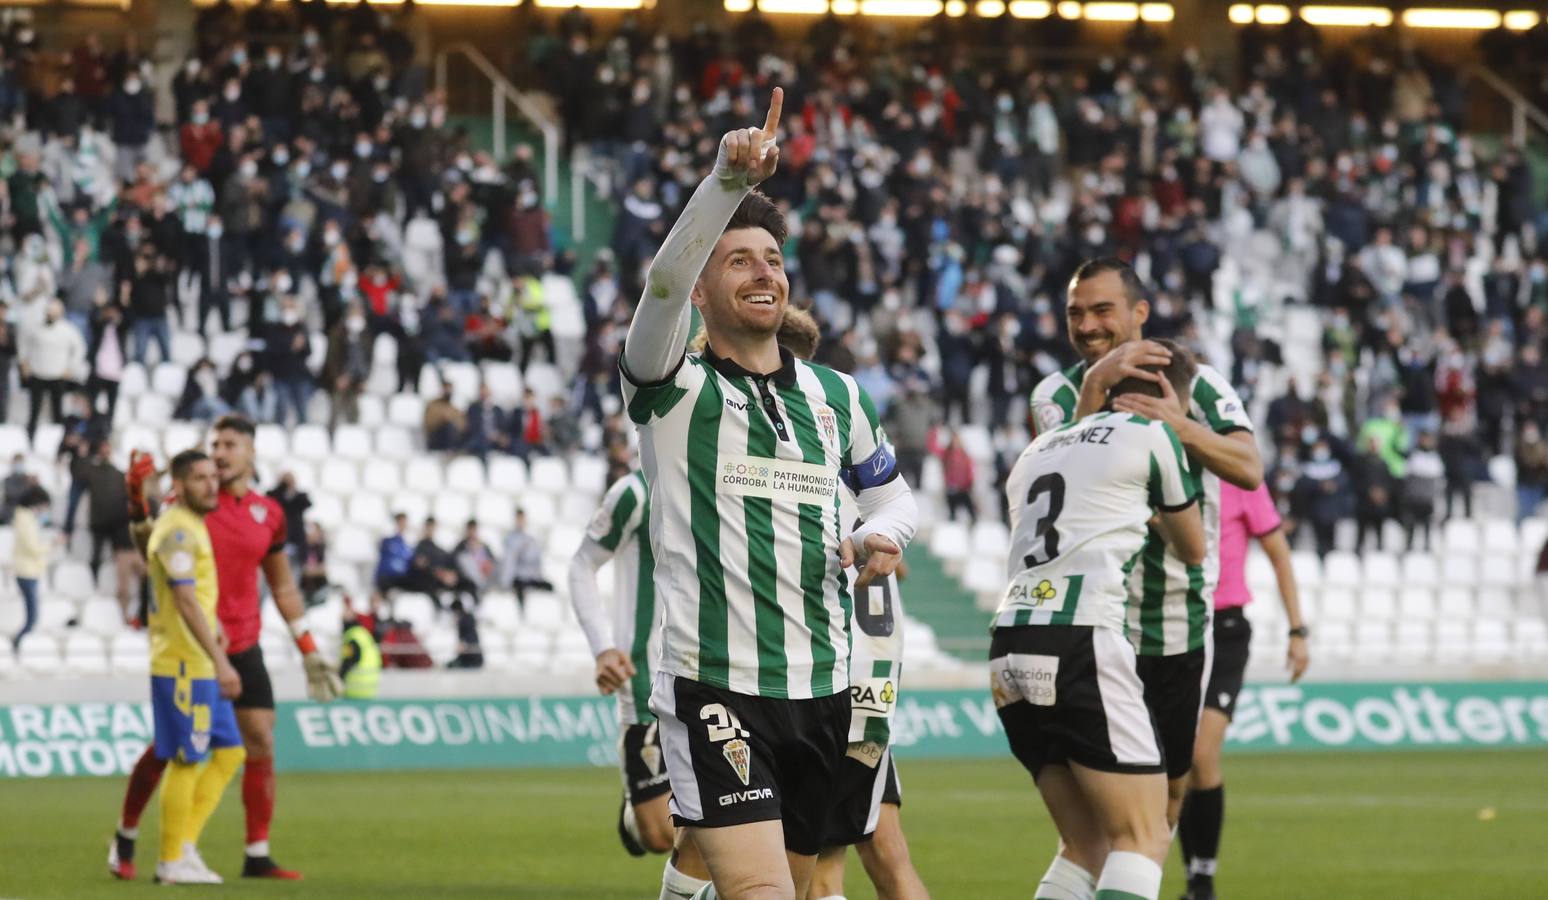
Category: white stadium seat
[1341,570]
[13,440]
[1455,603]
[179,436]
[395,442]
[381,475]
[1416,604]
[167,380]
[310,442]
[85,654]
[39,655]
[1497,571]
[1500,536]
[102,617]
[507,474]
[1459,571]
[452,510]
[1380,570]
[1460,536]
[1308,569]
[545,473]
[1378,605]
[326,510]
[271,442]
[72,579]
[352,543]
[589,473]
[187,348]
[153,411]
[495,514]
[373,412]
[465,474]
[352,442]
[422,474]
[1421,570]
[1337,604]
[406,411]
[339,476]
[504,381]
[134,381]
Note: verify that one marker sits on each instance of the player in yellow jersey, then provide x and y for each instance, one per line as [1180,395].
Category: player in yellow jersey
[192,683]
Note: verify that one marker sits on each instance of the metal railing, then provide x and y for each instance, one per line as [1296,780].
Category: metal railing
[1523,112]
[503,92]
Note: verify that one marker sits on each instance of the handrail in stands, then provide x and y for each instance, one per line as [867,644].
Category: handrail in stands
[504,91]
[1522,110]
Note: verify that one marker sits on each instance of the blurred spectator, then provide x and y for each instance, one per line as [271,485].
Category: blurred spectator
[957,468]
[106,355]
[360,659]
[470,654]
[109,522]
[1531,470]
[148,294]
[1421,487]
[1321,497]
[314,565]
[474,560]
[294,502]
[286,349]
[29,554]
[259,401]
[1374,503]
[52,358]
[434,571]
[77,444]
[488,426]
[17,482]
[347,365]
[201,399]
[521,565]
[7,363]
[395,555]
[445,424]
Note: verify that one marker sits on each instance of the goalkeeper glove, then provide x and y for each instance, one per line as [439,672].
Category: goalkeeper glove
[322,679]
[142,467]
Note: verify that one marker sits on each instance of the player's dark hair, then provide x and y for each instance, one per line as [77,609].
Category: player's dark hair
[1179,372]
[33,496]
[1133,288]
[239,424]
[757,211]
[186,460]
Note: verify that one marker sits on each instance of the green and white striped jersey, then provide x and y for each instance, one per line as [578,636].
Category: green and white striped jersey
[1079,498]
[621,526]
[745,474]
[1169,601]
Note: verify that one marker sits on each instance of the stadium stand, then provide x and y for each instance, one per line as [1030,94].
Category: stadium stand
[1367,272]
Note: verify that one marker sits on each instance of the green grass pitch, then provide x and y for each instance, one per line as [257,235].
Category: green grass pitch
[1355,825]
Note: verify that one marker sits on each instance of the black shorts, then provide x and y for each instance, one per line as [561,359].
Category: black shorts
[735,758]
[1233,634]
[1070,693]
[860,793]
[257,690]
[117,537]
[1174,689]
[639,760]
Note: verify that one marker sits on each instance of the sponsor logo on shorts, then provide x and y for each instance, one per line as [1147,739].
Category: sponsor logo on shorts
[1032,677]
[736,753]
[740,796]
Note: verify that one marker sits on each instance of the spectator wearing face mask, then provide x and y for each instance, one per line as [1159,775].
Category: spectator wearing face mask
[347,365]
[1321,494]
[132,118]
[1426,473]
[201,399]
[286,349]
[148,294]
[106,354]
[242,210]
[52,358]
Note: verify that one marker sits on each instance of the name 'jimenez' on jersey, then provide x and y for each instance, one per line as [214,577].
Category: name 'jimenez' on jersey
[1080,497]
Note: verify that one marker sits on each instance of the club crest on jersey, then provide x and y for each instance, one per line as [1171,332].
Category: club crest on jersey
[827,423]
[1049,416]
[739,756]
[259,511]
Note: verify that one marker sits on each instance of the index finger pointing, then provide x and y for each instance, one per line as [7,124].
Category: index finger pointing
[776,105]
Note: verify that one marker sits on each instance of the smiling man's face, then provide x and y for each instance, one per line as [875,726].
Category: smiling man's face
[743,289]
[1101,315]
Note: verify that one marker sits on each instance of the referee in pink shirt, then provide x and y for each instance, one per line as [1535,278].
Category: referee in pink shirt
[1243,515]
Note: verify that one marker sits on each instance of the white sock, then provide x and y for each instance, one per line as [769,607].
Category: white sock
[832,897]
[677,886]
[1065,880]
[706,893]
[1201,866]
[631,823]
[1127,875]
[129,833]
[258,848]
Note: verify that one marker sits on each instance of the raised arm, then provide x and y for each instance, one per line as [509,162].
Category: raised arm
[659,332]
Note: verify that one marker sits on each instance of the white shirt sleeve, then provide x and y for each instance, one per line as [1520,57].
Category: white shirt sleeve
[584,598]
[659,333]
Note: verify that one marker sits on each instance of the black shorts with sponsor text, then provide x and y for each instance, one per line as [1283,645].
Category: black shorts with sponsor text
[1233,636]
[257,689]
[1174,690]
[867,778]
[642,763]
[735,758]
[1070,693]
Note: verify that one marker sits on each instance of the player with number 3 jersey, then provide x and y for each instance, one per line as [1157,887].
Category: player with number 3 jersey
[1064,676]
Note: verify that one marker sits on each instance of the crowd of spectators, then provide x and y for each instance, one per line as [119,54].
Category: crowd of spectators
[938,205]
[297,178]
